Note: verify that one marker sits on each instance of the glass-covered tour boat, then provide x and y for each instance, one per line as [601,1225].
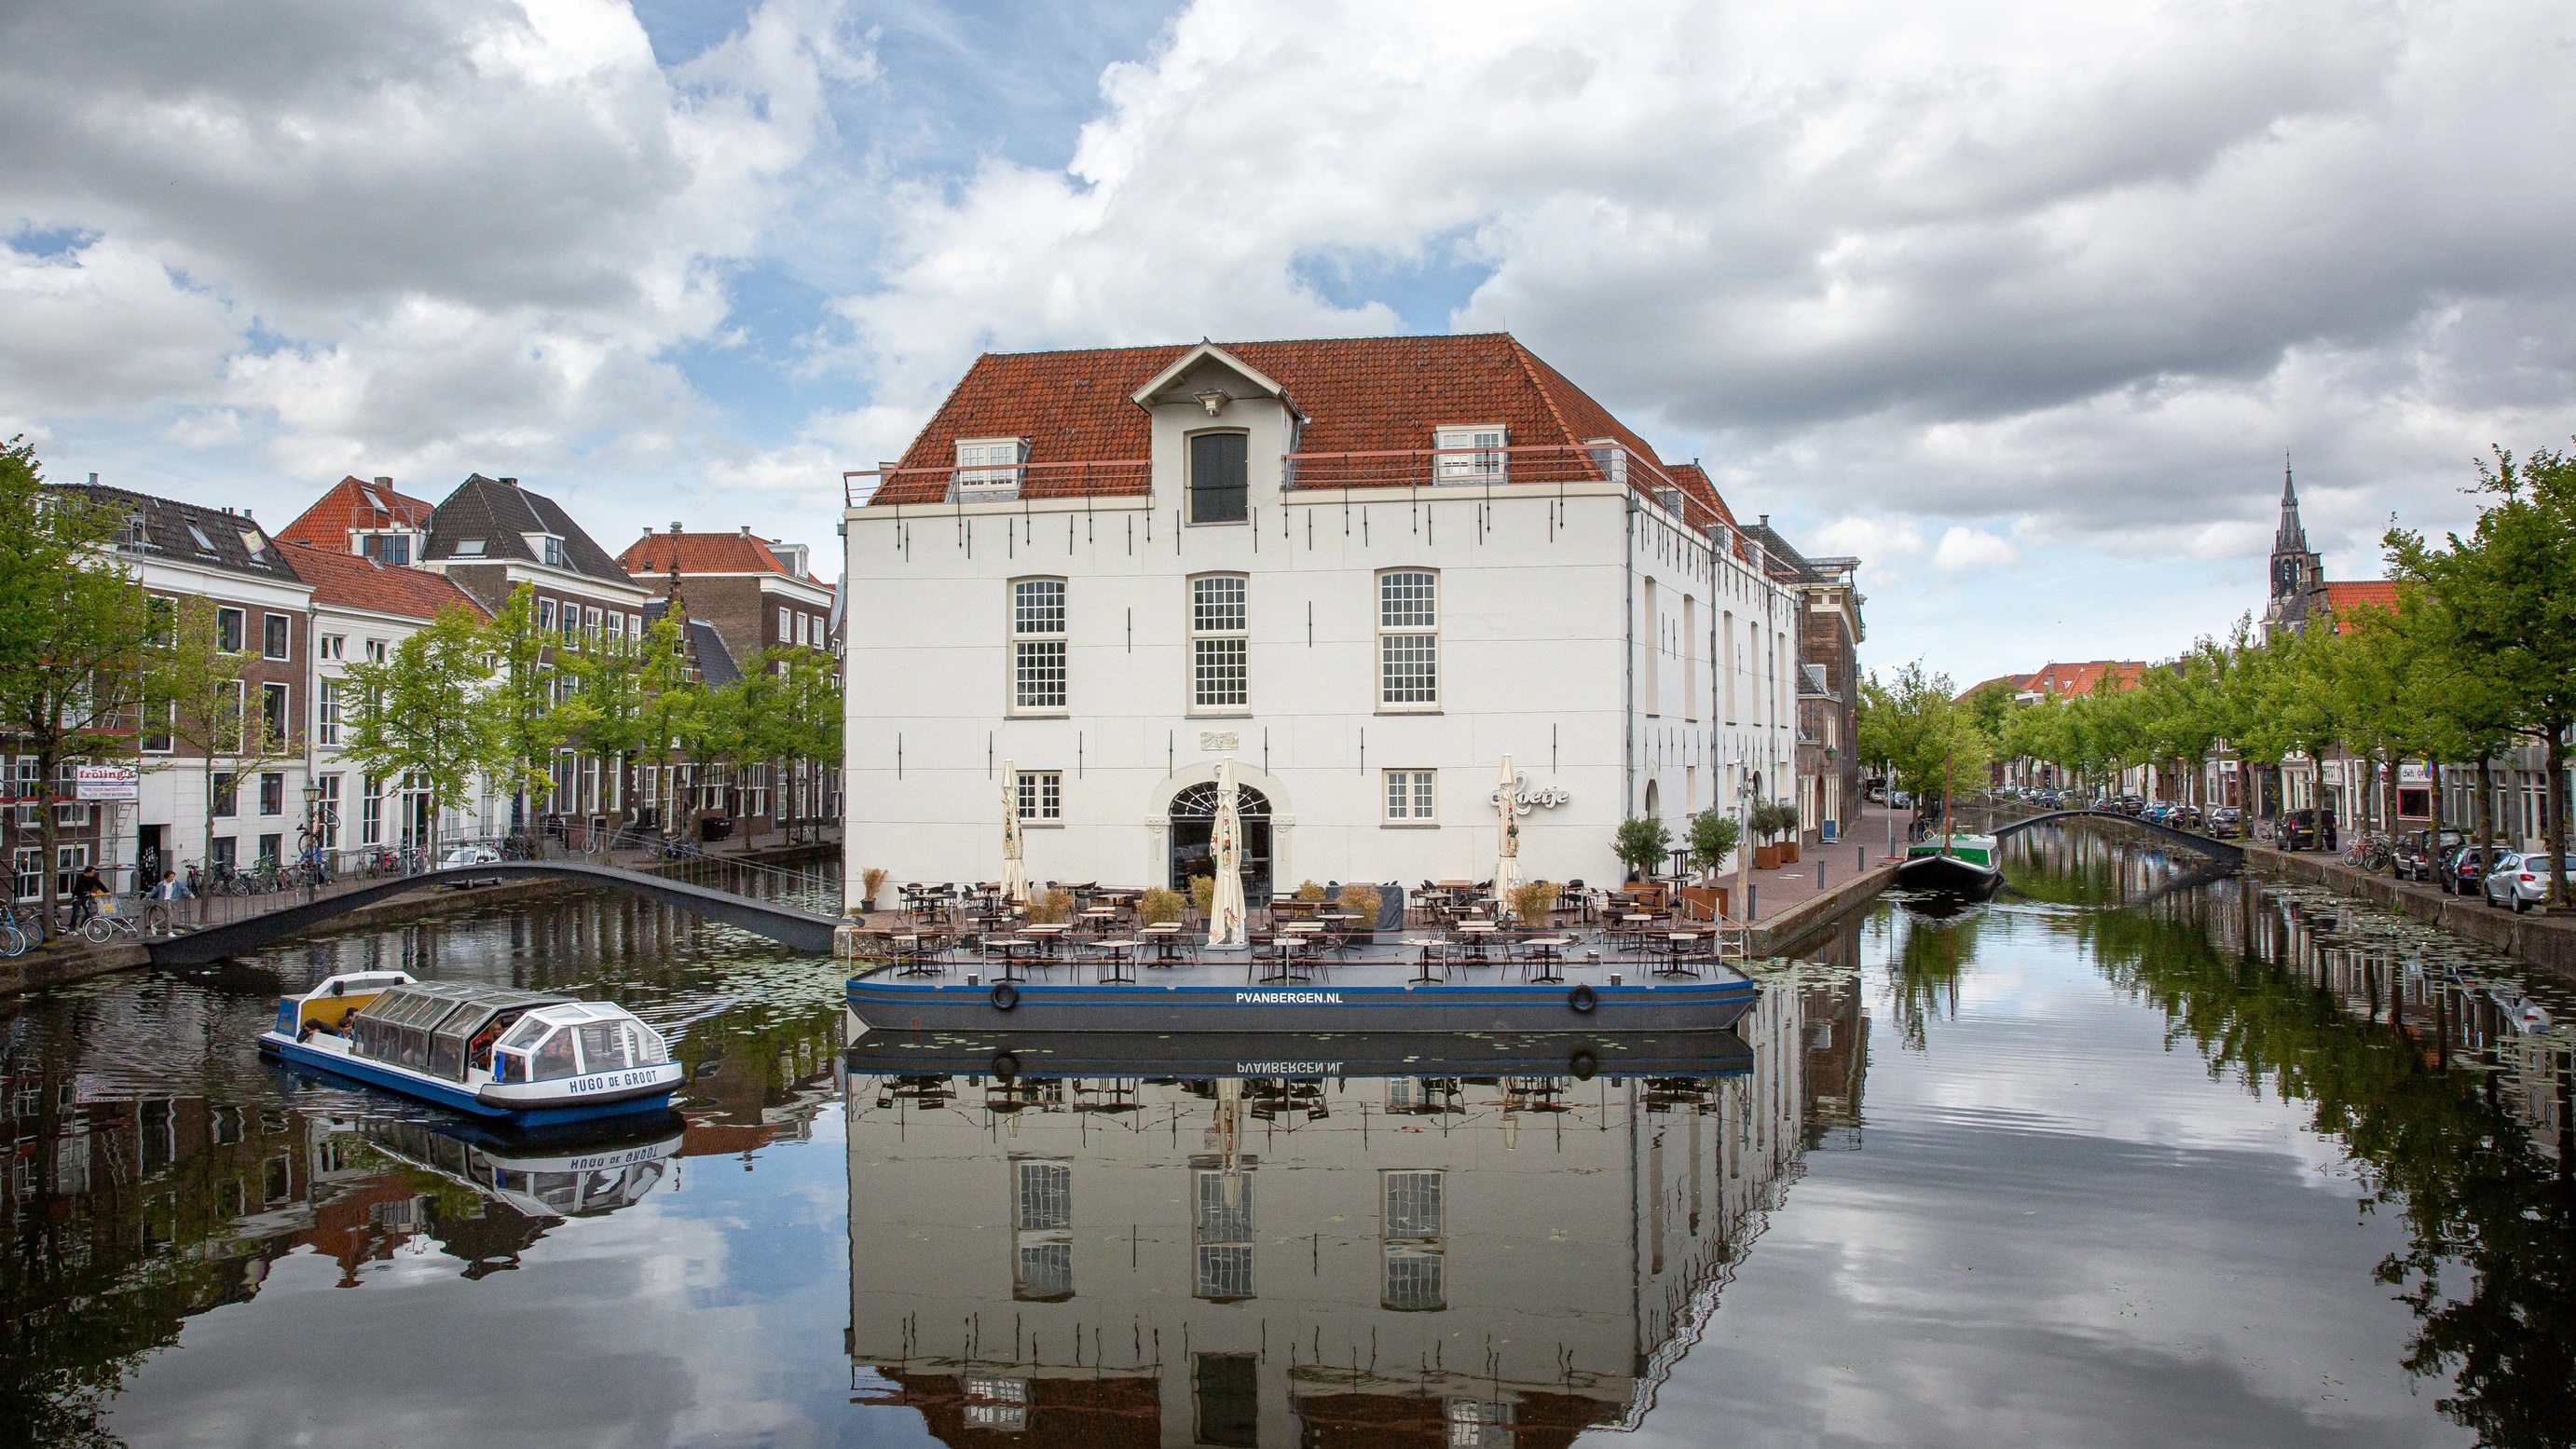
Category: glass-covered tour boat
[531,1058]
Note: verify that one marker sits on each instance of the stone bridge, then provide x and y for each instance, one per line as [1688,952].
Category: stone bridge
[2217,850]
[802,930]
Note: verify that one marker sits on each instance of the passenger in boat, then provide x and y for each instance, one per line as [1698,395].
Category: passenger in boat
[317,1024]
[479,1051]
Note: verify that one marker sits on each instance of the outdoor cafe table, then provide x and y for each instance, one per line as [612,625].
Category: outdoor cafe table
[1675,953]
[1474,939]
[918,951]
[1165,938]
[1011,951]
[1432,948]
[1284,956]
[1545,953]
[1116,958]
[1045,935]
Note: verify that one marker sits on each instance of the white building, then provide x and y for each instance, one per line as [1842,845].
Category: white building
[1369,570]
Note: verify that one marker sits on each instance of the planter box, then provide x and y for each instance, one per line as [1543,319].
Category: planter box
[1766,857]
[1788,852]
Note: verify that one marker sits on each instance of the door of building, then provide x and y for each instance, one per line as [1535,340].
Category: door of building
[1194,821]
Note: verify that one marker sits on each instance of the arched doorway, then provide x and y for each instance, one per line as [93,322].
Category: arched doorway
[1194,820]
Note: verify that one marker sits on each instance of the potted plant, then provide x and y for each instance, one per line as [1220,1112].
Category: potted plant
[1531,902]
[1714,835]
[870,880]
[1160,905]
[1203,894]
[1641,844]
[1309,891]
[1053,908]
[1365,902]
[1787,825]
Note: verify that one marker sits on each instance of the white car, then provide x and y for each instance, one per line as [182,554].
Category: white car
[467,856]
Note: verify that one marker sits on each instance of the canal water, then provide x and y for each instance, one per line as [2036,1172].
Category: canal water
[2126,1157]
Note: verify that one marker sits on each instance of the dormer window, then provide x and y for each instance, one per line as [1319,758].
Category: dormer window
[1611,457]
[549,550]
[988,470]
[1471,454]
[394,549]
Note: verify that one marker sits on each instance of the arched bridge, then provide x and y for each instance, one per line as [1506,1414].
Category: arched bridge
[2218,850]
[802,930]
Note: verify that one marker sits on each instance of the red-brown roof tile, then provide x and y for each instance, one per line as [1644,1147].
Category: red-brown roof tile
[2345,600]
[1358,395]
[343,578]
[348,506]
[2085,677]
[701,553]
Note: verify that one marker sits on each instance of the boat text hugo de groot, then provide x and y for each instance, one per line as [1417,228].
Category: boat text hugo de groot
[878,1002]
[533,1059]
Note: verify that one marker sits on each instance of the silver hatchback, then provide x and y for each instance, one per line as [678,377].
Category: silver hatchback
[2522,881]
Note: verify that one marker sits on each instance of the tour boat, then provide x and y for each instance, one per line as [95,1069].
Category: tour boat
[1959,865]
[529,1058]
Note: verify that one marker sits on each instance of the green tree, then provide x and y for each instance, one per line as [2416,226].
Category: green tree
[1927,740]
[418,716]
[2509,590]
[519,726]
[1641,843]
[1714,834]
[73,632]
[201,693]
[810,706]
[672,695]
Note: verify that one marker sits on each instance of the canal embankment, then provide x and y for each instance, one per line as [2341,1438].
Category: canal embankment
[2539,938]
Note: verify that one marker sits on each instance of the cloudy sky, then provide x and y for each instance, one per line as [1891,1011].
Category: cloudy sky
[2023,303]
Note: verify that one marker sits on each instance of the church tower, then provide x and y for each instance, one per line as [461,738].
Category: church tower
[2298,574]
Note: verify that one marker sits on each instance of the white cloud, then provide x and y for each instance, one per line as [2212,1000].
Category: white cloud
[1963,548]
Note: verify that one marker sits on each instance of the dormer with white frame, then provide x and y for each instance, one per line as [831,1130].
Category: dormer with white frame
[988,470]
[1472,453]
[1220,429]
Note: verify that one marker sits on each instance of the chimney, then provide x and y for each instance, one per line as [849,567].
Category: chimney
[648,530]
[746,530]
[510,482]
[93,480]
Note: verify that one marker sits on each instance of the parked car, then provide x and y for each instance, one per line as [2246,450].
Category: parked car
[2130,805]
[2226,822]
[2158,812]
[1900,800]
[2521,881]
[2185,817]
[467,856]
[2465,870]
[2419,853]
[2307,830]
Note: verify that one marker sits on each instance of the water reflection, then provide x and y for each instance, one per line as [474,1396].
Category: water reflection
[1476,1251]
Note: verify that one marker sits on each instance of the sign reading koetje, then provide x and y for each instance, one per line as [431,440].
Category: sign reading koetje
[106,782]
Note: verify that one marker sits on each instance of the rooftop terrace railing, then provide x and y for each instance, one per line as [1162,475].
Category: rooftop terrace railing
[1496,467]
[998,483]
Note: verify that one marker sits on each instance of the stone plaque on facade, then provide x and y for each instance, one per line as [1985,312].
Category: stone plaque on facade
[1214,740]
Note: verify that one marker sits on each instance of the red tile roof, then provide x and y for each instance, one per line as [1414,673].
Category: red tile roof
[2085,677]
[1358,394]
[343,578]
[2345,600]
[701,553]
[327,523]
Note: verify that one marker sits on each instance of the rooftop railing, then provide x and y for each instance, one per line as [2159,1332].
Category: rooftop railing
[1472,467]
[998,483]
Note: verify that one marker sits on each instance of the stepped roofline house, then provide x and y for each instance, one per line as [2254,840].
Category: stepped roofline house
[1369,570]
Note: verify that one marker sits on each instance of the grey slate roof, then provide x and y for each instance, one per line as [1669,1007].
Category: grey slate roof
[500,514]
[193,533]
[716,663]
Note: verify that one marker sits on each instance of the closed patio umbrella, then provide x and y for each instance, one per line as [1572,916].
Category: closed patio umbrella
[1226,925]
[1015,869]
[1507,843]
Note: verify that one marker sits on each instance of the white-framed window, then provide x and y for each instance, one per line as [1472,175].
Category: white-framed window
[988,470]
[545,616]
[551,549]
[232,629]
[227,794]
[241,716]
[1042,796]
[1408,640]
[392,549]
[1219,649]
[1471,454]
[272,717]
[616,624]
[1037,644]
[375,651]
[1042,1230]
[635,624]
[1413,1234]
[590,622]
[160,726]
[335,646]
[571,620]
[1410,797]
[371,808]
[276,636]
[787,626]
[1221,1236]
[326,712]
[329,814]
[27,872]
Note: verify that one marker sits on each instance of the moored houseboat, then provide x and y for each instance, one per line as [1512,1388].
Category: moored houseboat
[1959,865]
[533,1059]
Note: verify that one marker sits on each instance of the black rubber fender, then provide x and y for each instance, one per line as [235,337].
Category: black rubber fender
[1583,1066]
[1583,998]
[1005,996]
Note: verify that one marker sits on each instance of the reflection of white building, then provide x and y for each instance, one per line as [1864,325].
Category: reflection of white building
[1283,1261]
[1367,569]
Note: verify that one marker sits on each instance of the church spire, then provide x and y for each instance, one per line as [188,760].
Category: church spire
[2292,538]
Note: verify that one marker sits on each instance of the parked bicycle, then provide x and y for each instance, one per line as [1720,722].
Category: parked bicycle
[2371,852]
[108,923]
[13,939]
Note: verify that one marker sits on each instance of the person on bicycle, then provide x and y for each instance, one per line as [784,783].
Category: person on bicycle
[87,887]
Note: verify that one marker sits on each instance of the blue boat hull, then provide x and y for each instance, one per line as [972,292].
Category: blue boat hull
[453,1097]
[942,1006]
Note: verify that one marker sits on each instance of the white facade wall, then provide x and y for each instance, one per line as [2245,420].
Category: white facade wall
[172,787]
[356,629]
[1607,651]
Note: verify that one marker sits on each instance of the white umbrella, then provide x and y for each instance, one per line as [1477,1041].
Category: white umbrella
[1015,870]
[1226,926]
[1507,843]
